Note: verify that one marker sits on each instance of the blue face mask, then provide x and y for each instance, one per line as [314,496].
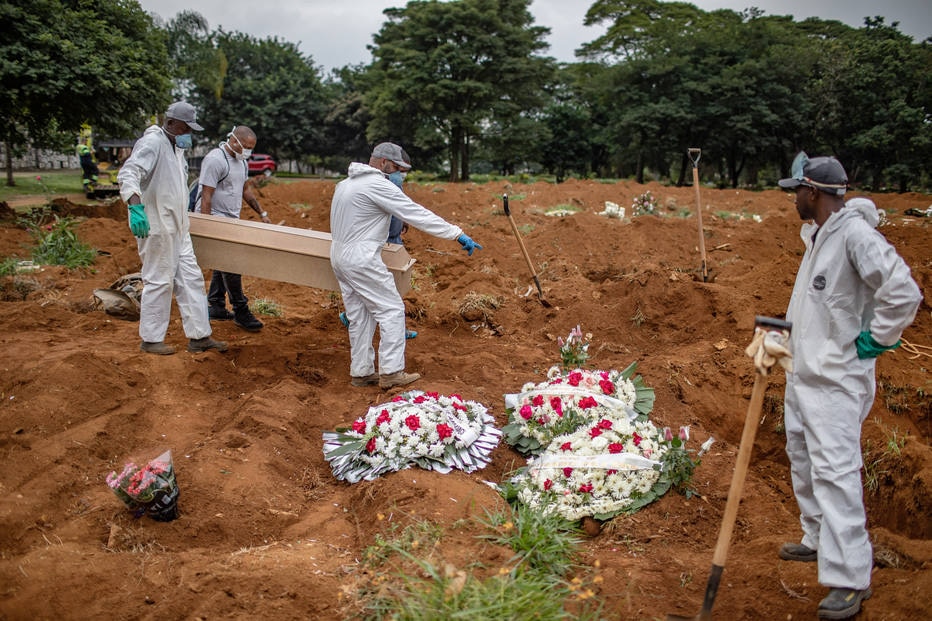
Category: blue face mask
[184,141]
[397,178]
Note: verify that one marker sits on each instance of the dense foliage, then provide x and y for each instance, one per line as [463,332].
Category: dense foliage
[67,61]
[465,86]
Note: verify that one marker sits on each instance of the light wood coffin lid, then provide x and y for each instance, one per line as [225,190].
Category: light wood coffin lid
[283,253]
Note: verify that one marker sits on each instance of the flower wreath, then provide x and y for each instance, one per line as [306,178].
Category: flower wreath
[610,466]
[564,402]
[426,429]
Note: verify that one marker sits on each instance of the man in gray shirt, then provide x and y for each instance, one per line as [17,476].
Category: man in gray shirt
[224,173]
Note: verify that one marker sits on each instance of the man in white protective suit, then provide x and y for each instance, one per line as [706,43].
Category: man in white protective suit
[853,298]
[360,213]
[154,183]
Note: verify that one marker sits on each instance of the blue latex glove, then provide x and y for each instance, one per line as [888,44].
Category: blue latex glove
[138,222]
[869,348]
[468,244]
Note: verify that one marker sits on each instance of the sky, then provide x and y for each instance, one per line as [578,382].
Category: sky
[335,33]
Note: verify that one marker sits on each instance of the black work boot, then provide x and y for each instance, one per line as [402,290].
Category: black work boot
[244,318]
[219,313]
[798,552]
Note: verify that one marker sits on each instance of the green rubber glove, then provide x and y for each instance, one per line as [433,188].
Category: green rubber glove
[138,222]
[869,348]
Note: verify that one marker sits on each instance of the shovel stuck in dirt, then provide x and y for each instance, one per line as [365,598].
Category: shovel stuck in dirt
[527,257]
[765,354]
[694,155]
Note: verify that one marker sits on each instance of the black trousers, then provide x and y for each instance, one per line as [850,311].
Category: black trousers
[223,284]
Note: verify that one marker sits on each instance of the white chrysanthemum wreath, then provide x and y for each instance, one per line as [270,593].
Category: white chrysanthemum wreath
[592,449]
[426,429]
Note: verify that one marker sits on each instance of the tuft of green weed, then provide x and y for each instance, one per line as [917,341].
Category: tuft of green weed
[56,241]
[420,535]
[263,306]
[874,472]
[544,543]
[530,586]
[8,266]
[447,593]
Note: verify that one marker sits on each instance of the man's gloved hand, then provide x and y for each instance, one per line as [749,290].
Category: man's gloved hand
[869,348]
[468,244]
[138,222]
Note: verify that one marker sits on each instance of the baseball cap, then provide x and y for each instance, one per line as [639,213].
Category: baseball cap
[824,173]
[391,151]
[183,111]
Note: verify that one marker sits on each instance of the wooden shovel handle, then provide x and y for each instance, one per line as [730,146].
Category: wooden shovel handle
[514,229]
[705,272]
[751,422]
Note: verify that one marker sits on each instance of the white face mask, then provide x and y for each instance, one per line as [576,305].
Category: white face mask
[244,153]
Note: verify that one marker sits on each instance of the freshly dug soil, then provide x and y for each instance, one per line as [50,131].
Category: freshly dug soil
[266,530]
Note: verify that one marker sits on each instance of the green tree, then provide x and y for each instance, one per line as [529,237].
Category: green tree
[444,72]
[574,124]
[270,86]
[196,61]
[680,77]
[344,136]
[872,89]
[70,62]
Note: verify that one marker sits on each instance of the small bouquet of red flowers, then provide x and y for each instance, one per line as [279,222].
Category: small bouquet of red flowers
[151,490]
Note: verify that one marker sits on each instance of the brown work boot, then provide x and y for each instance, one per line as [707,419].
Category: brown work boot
[196,346]
[366,380]
[397,379]
[842,603]
[159,348]
[798,552]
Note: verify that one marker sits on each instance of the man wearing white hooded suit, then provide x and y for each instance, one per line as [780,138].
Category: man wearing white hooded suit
[360,213]
[853,298]
[154,184]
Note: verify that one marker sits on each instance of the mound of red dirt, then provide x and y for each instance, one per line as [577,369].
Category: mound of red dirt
[265,529]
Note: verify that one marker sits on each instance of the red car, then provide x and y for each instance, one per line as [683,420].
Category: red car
[261,164]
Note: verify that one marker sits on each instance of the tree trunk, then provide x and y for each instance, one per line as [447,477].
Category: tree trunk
[464,159]
[455,139]
[639,176]
[9,165]
[685,164]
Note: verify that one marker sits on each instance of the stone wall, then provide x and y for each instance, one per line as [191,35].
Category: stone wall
[41,159]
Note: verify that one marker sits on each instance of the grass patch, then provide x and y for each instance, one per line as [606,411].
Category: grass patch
[271,308]
[43,183]
[530,586]
[56,241]
[542,543]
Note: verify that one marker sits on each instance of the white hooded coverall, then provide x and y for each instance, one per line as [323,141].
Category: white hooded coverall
[158,172]
[850,280]
[360,213]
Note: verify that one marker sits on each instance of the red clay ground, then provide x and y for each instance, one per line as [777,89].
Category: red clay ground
[267,531]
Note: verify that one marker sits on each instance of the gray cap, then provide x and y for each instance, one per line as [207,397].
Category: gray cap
[824,173]
[391,151]
[183,111]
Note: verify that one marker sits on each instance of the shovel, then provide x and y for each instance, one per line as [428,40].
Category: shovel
[751,422]
[694,155]
[514,228]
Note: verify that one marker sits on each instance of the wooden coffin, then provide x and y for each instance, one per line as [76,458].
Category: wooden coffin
[282,253]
